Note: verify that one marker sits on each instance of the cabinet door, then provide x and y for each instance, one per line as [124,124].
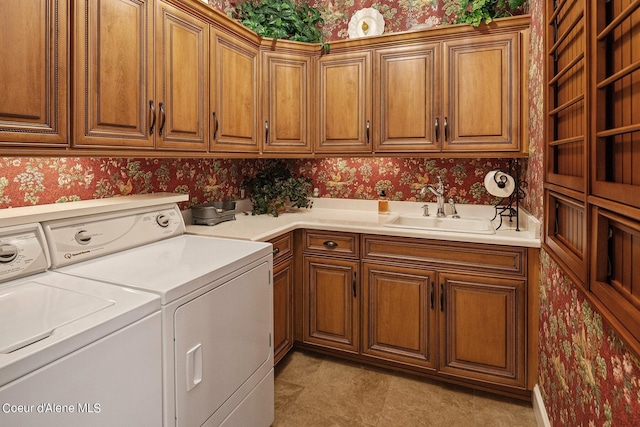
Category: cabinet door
[482,94]
[482,328]
[398,309]
[113,90]
[344,103]
[282,309]
[182,85]
[331,309]
[33,72]
[287,103]
[233,75]
[407,98]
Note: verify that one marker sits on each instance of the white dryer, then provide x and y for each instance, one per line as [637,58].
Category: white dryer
[73,351]
[217,307]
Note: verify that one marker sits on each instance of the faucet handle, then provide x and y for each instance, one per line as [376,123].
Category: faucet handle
[454,212]
[425,210]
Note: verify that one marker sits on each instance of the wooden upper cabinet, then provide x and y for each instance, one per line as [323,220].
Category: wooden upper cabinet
[482,93]
[182,82]
[233,76]
[33,72]
[136,88]
[344,103]
[406,98]
[286,126]
[113,90]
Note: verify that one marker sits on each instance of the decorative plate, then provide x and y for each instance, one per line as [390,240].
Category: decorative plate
[366,22]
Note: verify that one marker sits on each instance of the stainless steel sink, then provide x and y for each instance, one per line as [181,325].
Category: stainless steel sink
[458,225]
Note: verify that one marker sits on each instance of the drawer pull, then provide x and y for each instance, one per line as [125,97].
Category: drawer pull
[432,296]
[354,284]
[330,244]
[276,251]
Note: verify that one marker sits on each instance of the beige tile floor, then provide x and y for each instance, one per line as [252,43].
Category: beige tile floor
[320,391]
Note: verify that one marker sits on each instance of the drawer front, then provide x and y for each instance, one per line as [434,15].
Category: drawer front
[458,256]
[282,247]
[324,242]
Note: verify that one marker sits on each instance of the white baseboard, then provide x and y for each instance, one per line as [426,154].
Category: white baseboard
[542,419]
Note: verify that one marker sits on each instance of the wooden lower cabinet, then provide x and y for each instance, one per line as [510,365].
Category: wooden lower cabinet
[398,313]
[282,309]
[482,327]
[283,283]
[454,311]
[331,298]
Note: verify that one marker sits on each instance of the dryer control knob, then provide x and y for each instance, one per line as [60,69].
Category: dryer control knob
[8,253]
[83,237]
[162,220]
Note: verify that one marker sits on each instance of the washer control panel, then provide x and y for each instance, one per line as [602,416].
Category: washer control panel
[22,251]
[83,238]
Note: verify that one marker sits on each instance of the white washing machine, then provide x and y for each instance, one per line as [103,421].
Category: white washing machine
[73,351]
[217,307]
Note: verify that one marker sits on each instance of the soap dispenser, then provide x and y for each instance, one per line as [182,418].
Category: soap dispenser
[383,203]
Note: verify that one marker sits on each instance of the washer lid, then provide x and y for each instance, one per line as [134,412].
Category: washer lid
[36,310]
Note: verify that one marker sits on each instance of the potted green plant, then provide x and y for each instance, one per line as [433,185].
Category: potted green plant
[276,188]
[281,19]
[475,12]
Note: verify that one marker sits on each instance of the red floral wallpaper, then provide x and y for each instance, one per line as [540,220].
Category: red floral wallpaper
[33,181]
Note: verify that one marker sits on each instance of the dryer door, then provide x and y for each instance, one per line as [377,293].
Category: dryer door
[223,345]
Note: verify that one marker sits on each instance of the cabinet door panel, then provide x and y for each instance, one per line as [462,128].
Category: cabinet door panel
[113,76]
[407,97]
[33,72]
[481,95]
[483,328]
[398,314]
[182,89]
[282,309]
[234,95]
[344,103]
[331,309]
[287,106]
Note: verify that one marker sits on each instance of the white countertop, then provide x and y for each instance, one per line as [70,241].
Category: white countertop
[361,216]
[53,211]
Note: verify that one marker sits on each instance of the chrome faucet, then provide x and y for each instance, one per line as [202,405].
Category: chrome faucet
[439,193]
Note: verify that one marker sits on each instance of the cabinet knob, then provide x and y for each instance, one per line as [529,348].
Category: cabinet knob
[330,244]
[276,251]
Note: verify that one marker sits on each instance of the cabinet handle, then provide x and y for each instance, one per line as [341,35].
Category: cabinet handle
[441,297]
[152,112]
[266,131]
[276,251]
[446,129]
[353,284]
[437,128]
[162,119]
[330,244]
[432,296]
[367,131]
[215,125]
